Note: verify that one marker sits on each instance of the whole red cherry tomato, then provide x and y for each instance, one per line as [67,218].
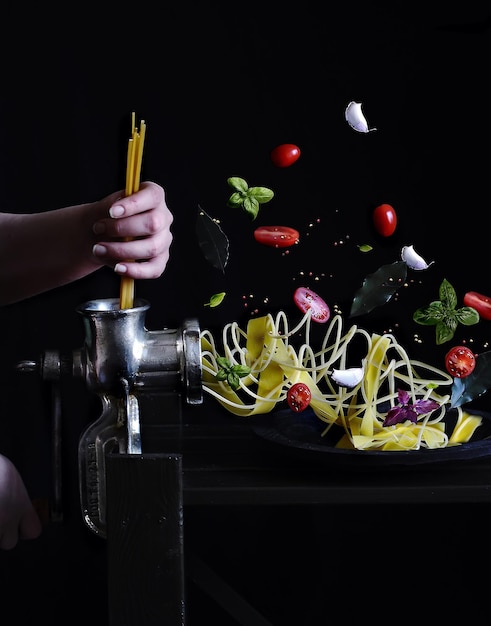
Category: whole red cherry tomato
[276,236]
[285,155]
[298,397]
[385,220]
[307,300]
[460,361]
[481,303]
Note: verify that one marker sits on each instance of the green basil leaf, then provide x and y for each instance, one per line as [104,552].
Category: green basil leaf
[447,294]
[233,380]
[241,370]
[223,362]
[432,314]
[261,194]
[467,316]
[445,330]
[251,207]
[216,299]
[237,183]
[236,200]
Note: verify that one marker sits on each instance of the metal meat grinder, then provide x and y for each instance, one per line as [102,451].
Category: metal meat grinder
[121,361]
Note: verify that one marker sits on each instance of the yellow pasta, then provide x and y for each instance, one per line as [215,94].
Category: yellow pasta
[133,172]
[275,365]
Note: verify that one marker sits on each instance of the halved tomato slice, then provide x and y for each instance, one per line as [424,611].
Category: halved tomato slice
[308,300]
[277,236]
[460,361]
[481,303]
[298,397]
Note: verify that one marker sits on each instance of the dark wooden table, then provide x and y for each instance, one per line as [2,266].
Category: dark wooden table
[215,459]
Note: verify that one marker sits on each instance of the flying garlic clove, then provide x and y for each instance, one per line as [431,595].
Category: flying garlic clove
[413,259]
[348,378]
[356,119]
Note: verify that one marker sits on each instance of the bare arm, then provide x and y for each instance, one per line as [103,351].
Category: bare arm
[42,251]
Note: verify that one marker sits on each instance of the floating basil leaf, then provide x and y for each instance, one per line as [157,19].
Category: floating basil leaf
[444,314]
[212,240]
[378,288]
[476,384]
[216,299]
[249,198]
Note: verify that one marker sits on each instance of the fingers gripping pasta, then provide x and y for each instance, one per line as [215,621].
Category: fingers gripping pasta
[273,365]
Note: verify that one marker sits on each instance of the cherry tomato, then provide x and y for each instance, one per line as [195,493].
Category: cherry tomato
[285,155]
[307,300]
[460,361]
[481,303]
[385,220]
[277,236]
[298,397]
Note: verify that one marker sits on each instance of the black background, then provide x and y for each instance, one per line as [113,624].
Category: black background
[219,87]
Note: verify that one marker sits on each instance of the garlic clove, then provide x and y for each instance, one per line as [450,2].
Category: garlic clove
[356,119]
[413,259]
[348,378]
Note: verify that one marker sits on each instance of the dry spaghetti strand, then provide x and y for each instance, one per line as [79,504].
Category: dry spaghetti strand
[133,173]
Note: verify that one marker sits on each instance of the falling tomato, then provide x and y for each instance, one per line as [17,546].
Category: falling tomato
[298,397]
[276,236]
[481,303]
[285,154]
[308,300]
[460,361]
[385,220]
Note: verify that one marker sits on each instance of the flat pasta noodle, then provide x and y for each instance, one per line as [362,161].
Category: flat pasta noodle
[275,365]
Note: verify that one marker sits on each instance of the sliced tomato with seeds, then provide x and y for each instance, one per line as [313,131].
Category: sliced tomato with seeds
[308,300]
[277,236]
[460,361]
[481,303]
[298,397]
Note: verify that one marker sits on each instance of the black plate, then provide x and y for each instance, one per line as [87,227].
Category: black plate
[301,433]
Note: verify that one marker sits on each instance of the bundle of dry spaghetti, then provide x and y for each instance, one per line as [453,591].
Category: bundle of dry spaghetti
[133,172]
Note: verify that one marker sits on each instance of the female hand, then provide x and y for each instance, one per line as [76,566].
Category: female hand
[136,235]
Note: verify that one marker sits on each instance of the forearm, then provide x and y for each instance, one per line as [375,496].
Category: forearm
[42,251]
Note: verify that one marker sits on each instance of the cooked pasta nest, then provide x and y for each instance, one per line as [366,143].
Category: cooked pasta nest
[268,348]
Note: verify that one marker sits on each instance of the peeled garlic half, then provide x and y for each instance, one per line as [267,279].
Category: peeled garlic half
[348,378]
[413,259]
[356,119]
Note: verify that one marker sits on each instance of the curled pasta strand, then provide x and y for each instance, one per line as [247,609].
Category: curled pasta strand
[276,364]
